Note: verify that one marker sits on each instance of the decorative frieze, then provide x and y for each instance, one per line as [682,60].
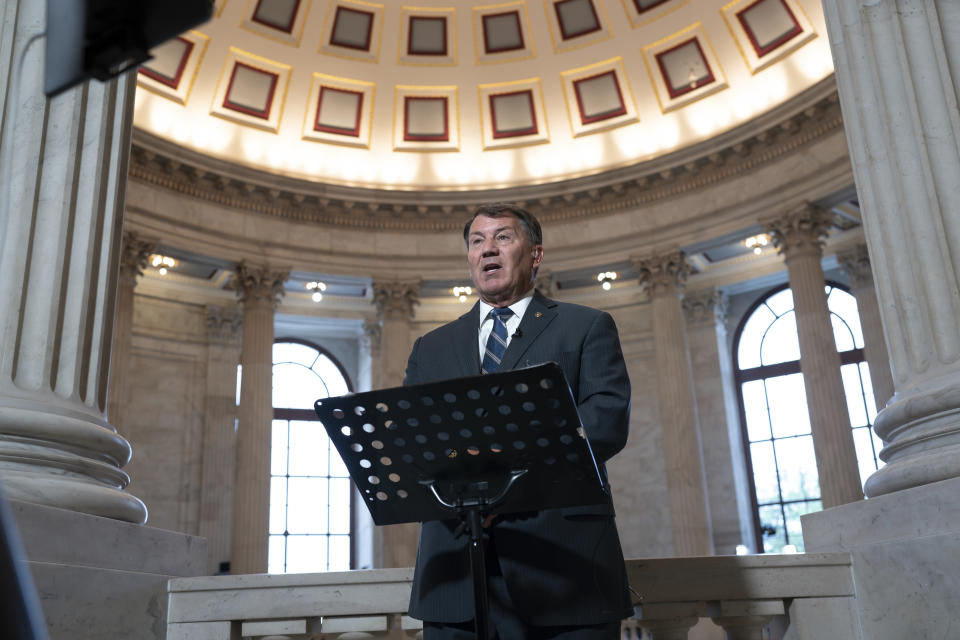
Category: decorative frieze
[396,298]
[799,230]
[663,273]
[259,284]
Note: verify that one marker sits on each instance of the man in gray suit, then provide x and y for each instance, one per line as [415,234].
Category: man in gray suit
[557,573]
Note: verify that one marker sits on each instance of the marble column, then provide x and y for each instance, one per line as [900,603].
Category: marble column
[395,545]
[664,277]
[260,289]
[59,257]
[856,263]
[798,235]
[133,260]
[897,68]
[219,432]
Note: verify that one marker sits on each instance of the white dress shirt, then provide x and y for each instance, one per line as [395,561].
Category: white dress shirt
[486,322]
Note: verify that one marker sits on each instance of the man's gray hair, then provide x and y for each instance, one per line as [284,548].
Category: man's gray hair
[529,223]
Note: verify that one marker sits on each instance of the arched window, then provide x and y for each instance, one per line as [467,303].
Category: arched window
[310,493]
[773,405]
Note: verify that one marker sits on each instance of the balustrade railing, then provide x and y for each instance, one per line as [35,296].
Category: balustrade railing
[761,597]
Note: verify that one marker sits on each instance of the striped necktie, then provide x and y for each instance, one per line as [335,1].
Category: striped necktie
[497,342]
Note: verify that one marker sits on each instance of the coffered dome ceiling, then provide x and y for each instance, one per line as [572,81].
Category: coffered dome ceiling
[458,96]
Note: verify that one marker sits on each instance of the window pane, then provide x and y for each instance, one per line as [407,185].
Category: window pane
[306,554]
[748,352]
[278,505]
[868,390]
[326,369]
[866,456]
[339,553]
[276,554]
[296,387]
[764,472]
[798,468]
[308,448]
[841,334]
[294,352]
[854,393]
[307,500]
[787,398]
[278,449]
[794,511]
[755,407]
[337,468]
[781,343]
[845,305]
[340,505]
[781,302]
[772,517]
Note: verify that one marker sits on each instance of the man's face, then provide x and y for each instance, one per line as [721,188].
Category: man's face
[502,259]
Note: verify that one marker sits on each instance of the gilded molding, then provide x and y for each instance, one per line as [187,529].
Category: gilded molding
[158,162]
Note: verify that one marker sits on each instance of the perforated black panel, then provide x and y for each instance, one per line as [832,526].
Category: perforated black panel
[467,435]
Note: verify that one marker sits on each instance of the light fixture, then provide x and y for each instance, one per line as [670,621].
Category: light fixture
[316,288]
[162,263]
[461,293]
[743,550]
[606,279]
[757,243]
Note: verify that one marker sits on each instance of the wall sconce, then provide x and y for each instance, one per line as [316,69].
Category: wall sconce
[606,279]
[317,288]
[162,263]
[461,293]
[757,243]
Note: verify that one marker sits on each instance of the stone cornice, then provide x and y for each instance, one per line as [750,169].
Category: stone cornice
[813,115]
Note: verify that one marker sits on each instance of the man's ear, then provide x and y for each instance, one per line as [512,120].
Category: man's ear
[537,255]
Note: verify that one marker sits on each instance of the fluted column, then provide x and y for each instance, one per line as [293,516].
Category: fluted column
[664,277]
[260,289]
[133,260]
[856,262]
[395,545]
[59,256]
[897,65]
[219,432]
[798,235]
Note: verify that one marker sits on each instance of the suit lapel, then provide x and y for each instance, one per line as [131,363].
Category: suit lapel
[538,315]
[466,344]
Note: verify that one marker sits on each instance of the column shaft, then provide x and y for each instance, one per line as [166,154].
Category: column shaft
[897,65]
[59,254]
[664,276]
[260,289]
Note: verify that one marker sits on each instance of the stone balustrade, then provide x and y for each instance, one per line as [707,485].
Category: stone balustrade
[776,597]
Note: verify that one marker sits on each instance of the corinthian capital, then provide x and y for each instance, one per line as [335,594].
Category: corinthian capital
[544,282]
[223,323]
[135,252]
[705,306]
[800,230]
[663,273]
[396,299]
[259,285]
[856,262]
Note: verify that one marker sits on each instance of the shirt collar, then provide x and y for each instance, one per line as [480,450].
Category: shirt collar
[519,307]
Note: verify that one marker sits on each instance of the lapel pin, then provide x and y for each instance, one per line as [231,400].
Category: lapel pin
[537,314]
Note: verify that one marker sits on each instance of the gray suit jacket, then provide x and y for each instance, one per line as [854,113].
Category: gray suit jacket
[561,566]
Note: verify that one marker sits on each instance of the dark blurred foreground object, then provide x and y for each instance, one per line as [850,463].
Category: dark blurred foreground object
[103,38]
[20,615]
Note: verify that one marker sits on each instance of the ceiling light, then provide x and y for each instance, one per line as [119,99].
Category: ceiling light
[461,293]
[606,279]
[162,263]
[757,243]
[316,288]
